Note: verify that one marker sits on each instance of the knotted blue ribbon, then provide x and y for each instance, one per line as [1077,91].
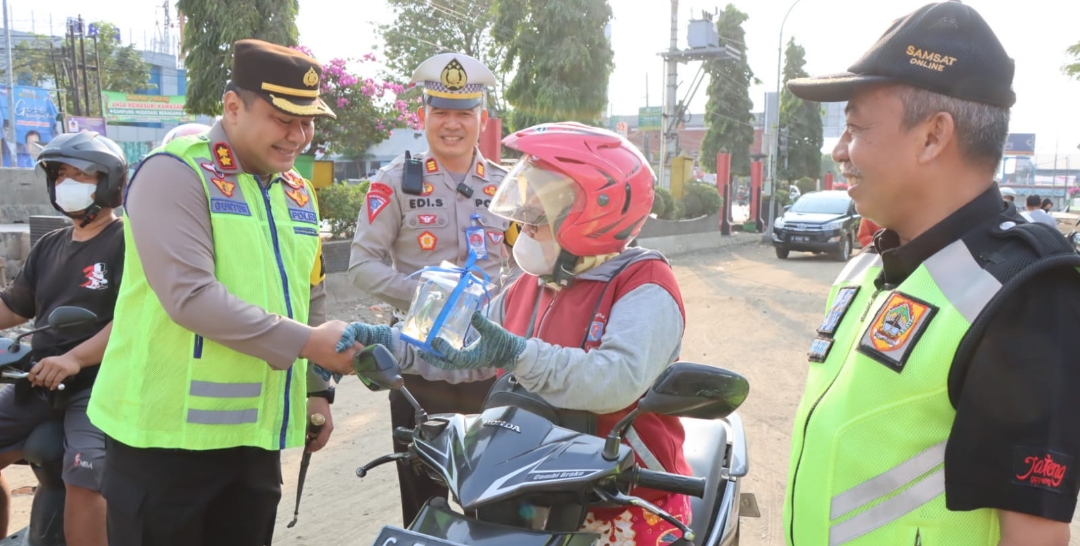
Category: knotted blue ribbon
[466,278]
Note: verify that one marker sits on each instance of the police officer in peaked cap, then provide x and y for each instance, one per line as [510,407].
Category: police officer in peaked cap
[415,215]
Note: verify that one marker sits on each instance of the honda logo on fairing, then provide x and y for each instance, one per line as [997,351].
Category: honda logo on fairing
[503,424]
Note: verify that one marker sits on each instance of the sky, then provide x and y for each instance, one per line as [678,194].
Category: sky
[834,33]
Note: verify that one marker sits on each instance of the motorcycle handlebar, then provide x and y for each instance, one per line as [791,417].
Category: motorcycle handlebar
[674,483]
[403,435]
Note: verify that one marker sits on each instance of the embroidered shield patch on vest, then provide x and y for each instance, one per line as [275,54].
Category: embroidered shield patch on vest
[896,329]
[819,349]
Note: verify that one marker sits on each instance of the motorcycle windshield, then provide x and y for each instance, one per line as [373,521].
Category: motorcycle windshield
[510,452]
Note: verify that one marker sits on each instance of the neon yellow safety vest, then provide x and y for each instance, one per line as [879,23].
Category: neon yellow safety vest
[868,448]
[163,386]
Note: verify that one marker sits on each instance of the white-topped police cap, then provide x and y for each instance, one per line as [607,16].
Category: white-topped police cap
[453,81]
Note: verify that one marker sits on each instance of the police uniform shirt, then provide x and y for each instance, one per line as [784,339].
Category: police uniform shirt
[415,231]
[1016,434]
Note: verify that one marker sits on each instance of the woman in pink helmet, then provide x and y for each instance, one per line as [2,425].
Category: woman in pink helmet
[592,322]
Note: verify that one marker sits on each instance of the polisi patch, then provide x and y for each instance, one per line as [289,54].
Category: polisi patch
[427,241]
[376,202]
[490,190]
[1041,468]
[427,219]
[428,188]
[841,303]
[896,329]
[223,156]
[496,236]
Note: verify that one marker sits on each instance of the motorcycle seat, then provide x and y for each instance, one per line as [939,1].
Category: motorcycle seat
[705,448]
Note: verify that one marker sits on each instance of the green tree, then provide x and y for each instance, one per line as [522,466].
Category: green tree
[802,120]
[728,111]
[32,60]
[560,58]
[122,67]
[423,28]
[212,27]
[1073,69]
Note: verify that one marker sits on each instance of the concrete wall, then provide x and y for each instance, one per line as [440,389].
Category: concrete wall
[23,194]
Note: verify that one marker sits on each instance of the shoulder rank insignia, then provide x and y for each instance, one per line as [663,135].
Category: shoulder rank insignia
[224,157]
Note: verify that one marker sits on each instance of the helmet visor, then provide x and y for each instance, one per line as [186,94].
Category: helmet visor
[535,195]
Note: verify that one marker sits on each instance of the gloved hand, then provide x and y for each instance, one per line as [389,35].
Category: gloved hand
[365,334]
[496,348]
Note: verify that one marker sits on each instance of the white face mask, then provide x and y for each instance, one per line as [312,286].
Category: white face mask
[75,196]
[535,258]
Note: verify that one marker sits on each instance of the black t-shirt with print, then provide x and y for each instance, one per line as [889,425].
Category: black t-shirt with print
[60,271]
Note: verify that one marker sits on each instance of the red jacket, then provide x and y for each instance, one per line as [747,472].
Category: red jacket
[566,319]
[867,229]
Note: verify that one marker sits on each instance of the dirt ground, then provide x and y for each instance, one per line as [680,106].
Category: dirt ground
[747,311]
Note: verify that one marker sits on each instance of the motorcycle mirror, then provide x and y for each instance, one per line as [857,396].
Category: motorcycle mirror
[67,318]
[698,391]
[378,369]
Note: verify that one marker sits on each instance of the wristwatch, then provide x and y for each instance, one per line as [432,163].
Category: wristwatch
[328,394]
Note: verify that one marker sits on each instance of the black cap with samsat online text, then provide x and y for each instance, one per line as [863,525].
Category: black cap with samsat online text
[946,47]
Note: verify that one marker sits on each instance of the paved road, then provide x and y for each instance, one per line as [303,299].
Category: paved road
[747,311]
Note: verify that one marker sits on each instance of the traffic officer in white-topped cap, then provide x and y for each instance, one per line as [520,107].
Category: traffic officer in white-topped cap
[416,212]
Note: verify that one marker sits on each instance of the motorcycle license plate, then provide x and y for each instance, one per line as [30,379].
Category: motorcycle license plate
[395,536]
[800,239]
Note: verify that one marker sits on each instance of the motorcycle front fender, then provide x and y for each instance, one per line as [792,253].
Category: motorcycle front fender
[437,520]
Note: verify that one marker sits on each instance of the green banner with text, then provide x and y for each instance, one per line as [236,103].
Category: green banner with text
[129,108]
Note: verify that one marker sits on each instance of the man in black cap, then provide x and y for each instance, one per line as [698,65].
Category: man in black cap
[221,311]
[940,405]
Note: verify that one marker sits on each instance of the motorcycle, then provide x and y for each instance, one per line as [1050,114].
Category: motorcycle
[1074,236]
[44,448]
[520,479]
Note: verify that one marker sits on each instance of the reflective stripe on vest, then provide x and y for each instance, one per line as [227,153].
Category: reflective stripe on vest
[857,267]
[884,485]
[967,286]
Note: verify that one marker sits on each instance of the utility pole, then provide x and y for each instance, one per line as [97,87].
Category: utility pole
[74,71]
[10,80]
[774,156]
[86,82]
[667,143]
